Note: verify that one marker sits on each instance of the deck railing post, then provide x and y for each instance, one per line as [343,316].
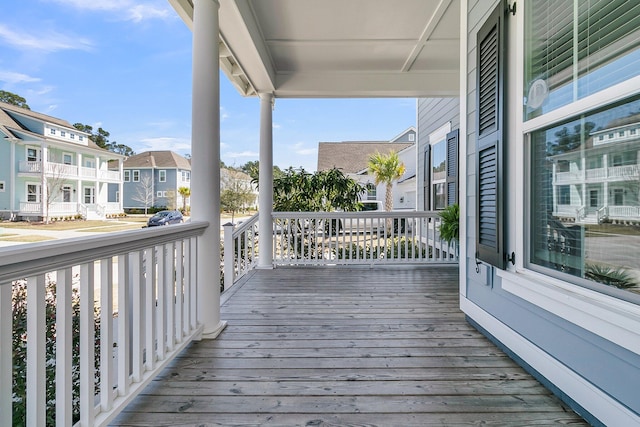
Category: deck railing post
[229,255]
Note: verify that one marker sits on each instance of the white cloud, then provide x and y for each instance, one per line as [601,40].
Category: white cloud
[223,114]
[11,77]
[128,10]
[299,148]
[45,40]
[276,126]
[164,143]
[245,153]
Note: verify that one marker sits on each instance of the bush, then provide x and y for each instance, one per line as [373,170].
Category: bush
[19,300]
[450,223]
[617,277]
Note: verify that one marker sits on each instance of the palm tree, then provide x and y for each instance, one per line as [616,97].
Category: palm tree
[386,168]
[184,192]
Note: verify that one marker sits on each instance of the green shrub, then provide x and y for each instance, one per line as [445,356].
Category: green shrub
[618,277]
[19,299]
[450,223]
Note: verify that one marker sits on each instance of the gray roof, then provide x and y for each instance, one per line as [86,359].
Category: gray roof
[352,157]
[157,159]
[10,122]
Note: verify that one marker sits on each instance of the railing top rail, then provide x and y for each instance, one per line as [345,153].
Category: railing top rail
[245,225]
[357,214]
[36,258]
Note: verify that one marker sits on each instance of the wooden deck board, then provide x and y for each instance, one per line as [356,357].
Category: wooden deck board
[348,347]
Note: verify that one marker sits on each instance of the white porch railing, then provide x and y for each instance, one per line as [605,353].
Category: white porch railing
[339,238]
[240,251]
[31,208]
[65,208]
[122,307]
[61,169]
[321,238]
[624,212]
[29,166]
[87,172]
[110,175]
[112,207]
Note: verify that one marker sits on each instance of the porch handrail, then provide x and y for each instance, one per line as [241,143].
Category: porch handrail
[240,250]
[315,238]
[154,271]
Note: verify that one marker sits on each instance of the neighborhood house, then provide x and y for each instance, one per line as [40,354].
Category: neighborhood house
[50,169]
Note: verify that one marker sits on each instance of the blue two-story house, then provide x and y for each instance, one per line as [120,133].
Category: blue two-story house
[153,179]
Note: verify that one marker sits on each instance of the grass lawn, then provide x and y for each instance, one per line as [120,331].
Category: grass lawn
[32,238]
[73,225]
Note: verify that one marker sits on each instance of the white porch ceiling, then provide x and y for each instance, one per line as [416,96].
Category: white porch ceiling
[339,48]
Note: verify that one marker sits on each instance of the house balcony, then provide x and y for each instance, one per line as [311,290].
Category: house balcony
[613,173]
[374,340]
[68,171]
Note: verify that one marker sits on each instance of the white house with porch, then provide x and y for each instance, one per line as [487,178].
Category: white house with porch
[599,180]
[561,301]
[49,168]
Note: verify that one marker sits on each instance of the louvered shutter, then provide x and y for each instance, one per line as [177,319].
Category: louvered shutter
[427,178]
[489,125]
[452,167]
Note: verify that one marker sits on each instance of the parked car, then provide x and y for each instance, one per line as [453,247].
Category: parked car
[165,218]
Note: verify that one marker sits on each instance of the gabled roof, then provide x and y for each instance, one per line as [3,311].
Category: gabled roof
[352,157]
[10,124]
[10,108]
[157,159]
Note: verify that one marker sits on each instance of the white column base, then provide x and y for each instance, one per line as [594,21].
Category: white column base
[213,334]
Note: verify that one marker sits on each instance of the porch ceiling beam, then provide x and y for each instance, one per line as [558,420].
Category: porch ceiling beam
[443,83]
[426,33]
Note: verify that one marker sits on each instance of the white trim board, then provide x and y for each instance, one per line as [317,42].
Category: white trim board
[600,405]
[611,318]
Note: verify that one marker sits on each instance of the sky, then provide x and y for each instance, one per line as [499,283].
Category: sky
[125,66]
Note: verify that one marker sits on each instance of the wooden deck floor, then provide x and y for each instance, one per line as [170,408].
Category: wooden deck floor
[346,346]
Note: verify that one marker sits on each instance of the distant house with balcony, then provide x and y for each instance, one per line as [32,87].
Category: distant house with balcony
[600,181]
[153,179]
[352,157]
[50,169]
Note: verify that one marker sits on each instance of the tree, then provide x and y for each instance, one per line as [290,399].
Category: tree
[101,139]
[252,168]
[54,180]
[184,192]
[144,192]
[236,192]
[13,99]
[386,168]
[300,191]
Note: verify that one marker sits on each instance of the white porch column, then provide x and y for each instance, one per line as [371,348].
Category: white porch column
[121,185]
[205,160]
[265,189]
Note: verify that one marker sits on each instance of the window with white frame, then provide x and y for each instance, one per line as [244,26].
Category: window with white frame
[63,133]
[136,176]
[52,131]
[2,186]
[584,183]
[33,192]
[67,158]
[576,48]
[127,175]
[159,194]
[33,154]
[162,175]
